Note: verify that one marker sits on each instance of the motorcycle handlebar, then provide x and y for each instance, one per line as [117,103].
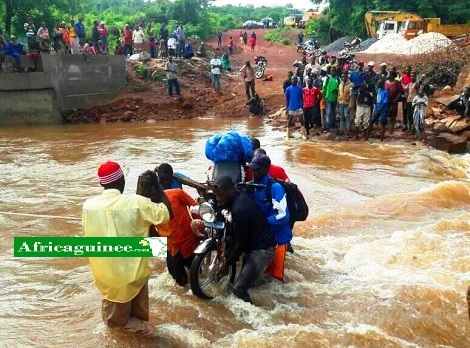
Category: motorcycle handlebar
[250,185]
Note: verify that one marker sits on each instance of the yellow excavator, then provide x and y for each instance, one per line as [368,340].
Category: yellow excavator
[381,23]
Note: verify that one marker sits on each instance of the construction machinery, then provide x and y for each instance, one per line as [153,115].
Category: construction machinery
[416,26]
[381,23]
[309,15]
[293,20]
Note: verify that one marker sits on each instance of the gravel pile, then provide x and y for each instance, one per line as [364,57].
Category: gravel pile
[396,44]
[388,44]
[427,43]
[337,45]
[367,43]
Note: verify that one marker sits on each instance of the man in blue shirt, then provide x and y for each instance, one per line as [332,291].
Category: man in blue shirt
[380,109]
[294,107]
[275,210]
[15,49]
[357,78]
[80,29]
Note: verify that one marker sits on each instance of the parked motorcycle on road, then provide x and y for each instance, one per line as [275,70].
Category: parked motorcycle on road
[260,66]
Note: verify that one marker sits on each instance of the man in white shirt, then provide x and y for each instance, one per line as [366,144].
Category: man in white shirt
[181,37]
[30,29]
[216,64]
[138,37]
[170,69]
[171,47]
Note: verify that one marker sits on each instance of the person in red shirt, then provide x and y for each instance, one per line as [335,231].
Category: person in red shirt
[252,43]
[103,31]
[405,84]
[311,99]
[275,172]
[395,91]
[230,45]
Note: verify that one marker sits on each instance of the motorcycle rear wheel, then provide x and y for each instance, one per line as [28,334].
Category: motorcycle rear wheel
[203,275]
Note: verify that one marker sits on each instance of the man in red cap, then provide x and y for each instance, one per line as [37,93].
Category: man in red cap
[123,281]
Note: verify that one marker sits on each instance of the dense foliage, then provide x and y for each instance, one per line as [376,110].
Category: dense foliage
[200,19]
[346,17]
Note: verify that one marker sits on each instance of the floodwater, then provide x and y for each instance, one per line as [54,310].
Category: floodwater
[382,261]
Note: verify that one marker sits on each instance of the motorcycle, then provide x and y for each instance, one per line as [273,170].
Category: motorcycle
[260,66]
[309,48]
[355,44]
[209,255]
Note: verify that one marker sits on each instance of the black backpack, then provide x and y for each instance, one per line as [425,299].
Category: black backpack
[298,208]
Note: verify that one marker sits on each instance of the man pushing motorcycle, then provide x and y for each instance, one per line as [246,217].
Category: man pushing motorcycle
[251,232]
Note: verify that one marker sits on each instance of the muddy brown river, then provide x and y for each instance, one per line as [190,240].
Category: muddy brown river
[382,261]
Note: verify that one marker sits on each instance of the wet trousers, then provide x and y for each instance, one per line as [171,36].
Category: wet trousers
[130,316]
[254,265]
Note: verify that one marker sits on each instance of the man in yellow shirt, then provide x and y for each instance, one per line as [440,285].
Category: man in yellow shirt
[123,282]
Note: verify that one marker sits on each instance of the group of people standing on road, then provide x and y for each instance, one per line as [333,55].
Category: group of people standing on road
[243,39]
[320,92]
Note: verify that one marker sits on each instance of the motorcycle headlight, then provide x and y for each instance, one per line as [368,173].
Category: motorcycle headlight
[207,212]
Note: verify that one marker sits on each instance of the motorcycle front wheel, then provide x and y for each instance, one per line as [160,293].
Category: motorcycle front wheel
[203,277]
[259,71]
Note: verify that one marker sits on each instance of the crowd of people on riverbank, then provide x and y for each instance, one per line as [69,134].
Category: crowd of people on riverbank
[71,38]
[62,39]
[324,91]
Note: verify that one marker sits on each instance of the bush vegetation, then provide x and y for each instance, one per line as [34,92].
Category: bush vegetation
[278,35]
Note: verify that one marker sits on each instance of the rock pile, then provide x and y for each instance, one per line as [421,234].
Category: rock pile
[337,45]
[367,43]
[422,44]
[450,133]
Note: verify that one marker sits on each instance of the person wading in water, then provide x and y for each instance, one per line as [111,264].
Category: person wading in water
[123,281]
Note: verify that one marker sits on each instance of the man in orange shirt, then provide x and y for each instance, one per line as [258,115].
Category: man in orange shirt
[65,38]
[181,240]
[128,42]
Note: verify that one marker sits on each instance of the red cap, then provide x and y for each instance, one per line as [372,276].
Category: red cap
[360,63]
[109,172]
